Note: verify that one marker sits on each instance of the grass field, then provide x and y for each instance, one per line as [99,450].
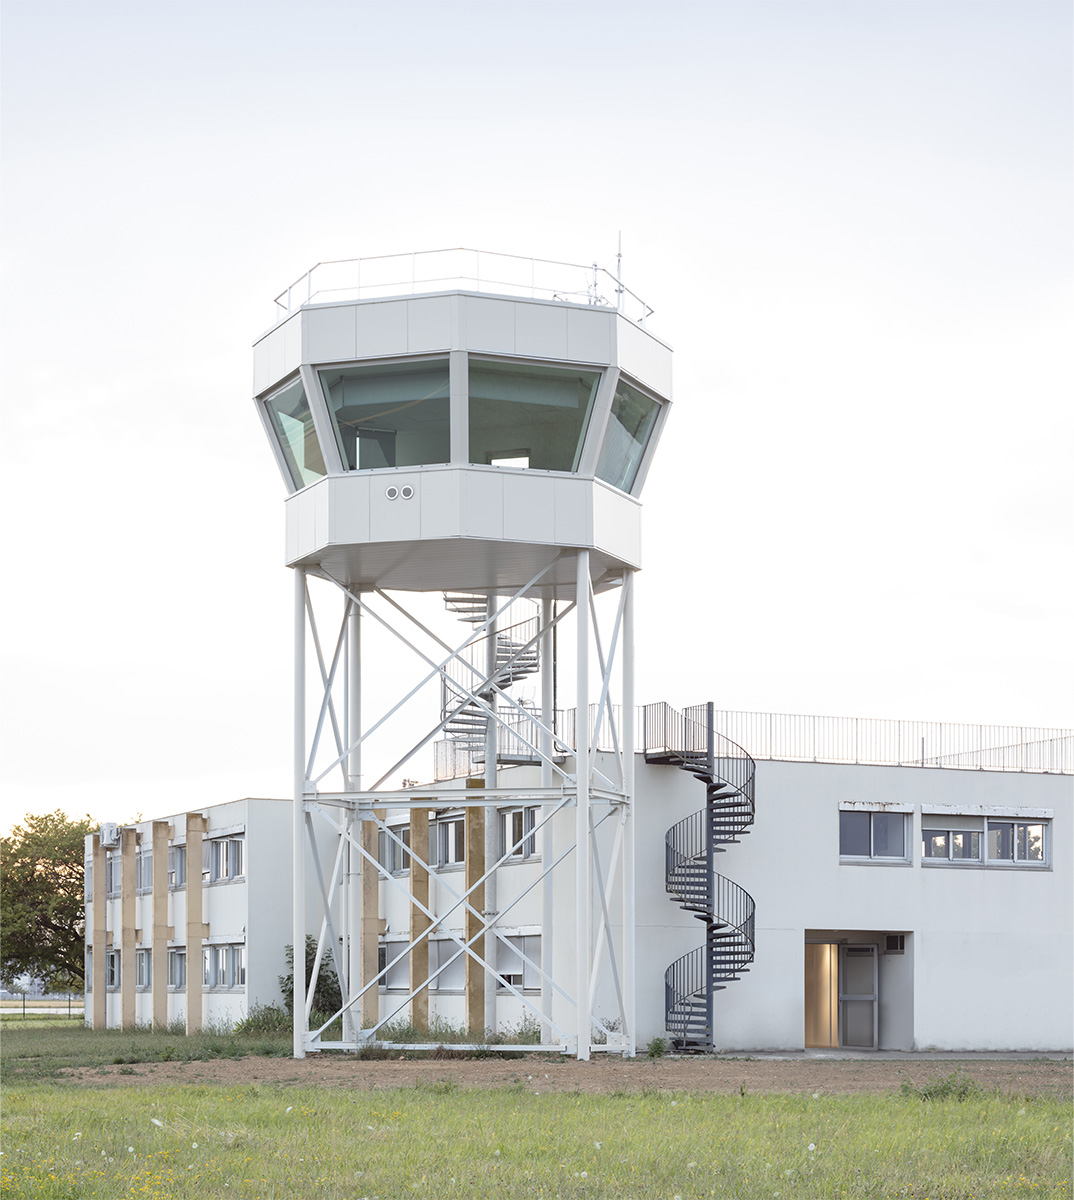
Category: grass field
[63,1140]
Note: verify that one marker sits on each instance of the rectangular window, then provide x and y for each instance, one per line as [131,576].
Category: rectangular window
[112,970]
[451,841]
[529,416]
[176,866]
[873,835]
[227,858]
[89,969]
[1016,842]
[177,968]
[627,434]
[393,858]
[446,954]
[224,966]
[511,966]
[972,841]
[88,876]
[143,968]
[143,870]
[398,963]
[390,414]
[516,836]
[236,966]
[292,422]
[112,873]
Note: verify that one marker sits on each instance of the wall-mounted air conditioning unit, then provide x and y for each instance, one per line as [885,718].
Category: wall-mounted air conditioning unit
[110,835]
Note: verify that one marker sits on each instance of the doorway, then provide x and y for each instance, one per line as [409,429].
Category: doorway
[841,996]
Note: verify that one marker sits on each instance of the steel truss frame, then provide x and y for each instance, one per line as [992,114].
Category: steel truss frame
[352,820]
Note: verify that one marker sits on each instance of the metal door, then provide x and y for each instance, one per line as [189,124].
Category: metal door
[858,978]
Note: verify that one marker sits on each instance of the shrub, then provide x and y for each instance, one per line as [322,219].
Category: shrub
[656,1048]
[327,996]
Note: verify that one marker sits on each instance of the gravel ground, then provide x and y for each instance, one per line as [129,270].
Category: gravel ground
[843,1076]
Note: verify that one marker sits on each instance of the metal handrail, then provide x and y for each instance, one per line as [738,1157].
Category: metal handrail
[447,269]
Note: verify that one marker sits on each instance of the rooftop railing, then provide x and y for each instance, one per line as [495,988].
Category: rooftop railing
[868,741]
[460,269]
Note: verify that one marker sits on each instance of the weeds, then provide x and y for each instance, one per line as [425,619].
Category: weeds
[956,1086]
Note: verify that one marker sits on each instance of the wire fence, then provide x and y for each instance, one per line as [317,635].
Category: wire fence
[790,737]
[459,268]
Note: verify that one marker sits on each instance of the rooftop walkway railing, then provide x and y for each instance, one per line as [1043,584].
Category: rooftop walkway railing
[463,269]
[869,741]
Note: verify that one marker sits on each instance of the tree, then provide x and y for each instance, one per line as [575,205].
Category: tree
[327,996]
[42,889]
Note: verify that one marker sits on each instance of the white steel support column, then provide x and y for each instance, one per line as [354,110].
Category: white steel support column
[352,881]
[583,887]
[298,828]
[548,717]
[629,725]
[492,824]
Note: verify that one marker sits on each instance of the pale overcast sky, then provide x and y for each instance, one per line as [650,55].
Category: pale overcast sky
[851,216]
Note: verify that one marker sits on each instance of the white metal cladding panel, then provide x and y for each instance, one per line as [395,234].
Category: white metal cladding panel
[307,523]
[642,356]
[331,333]
[439,497]
[277,354]
[382,328]
[322,509]
[488,325]
[482,508]
[573,512]
[529,508]
[541,330]
[429,324]
[589,335]
[349,508]
[617,524]
[395,520]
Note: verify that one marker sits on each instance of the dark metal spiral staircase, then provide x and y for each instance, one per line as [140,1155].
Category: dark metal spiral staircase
[689,741]
[467,722]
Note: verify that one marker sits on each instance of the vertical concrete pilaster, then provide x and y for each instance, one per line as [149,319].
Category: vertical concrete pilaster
[162,833]
[475,868]
[371,924]
[419,922]
[128,941]
[196,928]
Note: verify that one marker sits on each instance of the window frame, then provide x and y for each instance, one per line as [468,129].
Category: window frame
[113,971]
[450,829]
[143,871]
[873,858]
[984,859]
[143,969]
[390,855]
[177,866]
[523,849]
[227,858]
[177,968]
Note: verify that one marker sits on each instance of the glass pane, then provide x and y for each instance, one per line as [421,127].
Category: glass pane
[966,846]
[390,415]
[858,978]
[854,833]
[529,416]
[291,419]
[858,1023]
[889,835]
[1000,841]
[1030,843]
[629,427]
[933,845]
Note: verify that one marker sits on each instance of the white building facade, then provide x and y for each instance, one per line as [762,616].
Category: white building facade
[898,906]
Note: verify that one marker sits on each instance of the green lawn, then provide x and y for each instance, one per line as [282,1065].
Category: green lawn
[63,1140]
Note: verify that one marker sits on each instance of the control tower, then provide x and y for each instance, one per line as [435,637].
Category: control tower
[477,427]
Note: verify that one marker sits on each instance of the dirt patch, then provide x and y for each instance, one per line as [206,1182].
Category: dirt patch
[1029,1077]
